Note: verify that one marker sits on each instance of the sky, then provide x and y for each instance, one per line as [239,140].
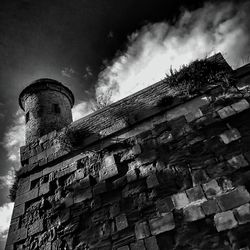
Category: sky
[103,46]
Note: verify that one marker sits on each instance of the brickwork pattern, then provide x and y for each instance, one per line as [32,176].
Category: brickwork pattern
[177,180]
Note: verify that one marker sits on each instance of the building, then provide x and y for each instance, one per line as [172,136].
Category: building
[145,173]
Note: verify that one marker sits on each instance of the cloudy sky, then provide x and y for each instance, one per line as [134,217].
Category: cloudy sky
[97,46]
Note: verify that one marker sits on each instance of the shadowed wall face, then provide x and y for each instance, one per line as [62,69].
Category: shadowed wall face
[47,104]
[174,176]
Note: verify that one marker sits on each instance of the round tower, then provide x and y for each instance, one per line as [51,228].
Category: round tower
[47,105]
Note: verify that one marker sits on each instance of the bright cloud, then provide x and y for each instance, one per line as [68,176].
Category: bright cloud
[5,216]
[152,50]
[6,181]
[80,110]
[14,138]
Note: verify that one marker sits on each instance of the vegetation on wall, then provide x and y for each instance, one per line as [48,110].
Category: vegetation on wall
[200,74]
[14,187]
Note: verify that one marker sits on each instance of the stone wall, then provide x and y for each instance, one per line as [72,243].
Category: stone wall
[177,177]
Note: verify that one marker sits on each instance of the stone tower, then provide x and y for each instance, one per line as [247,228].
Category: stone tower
[47,105]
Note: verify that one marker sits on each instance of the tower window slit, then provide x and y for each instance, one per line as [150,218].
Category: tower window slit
[27,116]
[56,108]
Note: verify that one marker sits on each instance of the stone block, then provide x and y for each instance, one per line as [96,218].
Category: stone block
[96,203]
[226,112]
[210,207]
[145,171]
[238,161]
[44,188]
[131,175]
[165,205]
[68,200]
[121,222]
[230,135]
[162,224]
[36,176]
[82,195]
[23,187]
[16,236]
[195,194]
[131,190]
[14,224]
[28,196]
[152,181]
[130,154]
[114,210]
[79,174]
[234,198]
[225,221]
[66,170]
[86,182]
[138,245]
[36,227]
[211,188]
[199,176]
[123,248]
[100,215]
[18,211]
[148,156]
[109,168]
[165,137]
[108,160]
[160,166]
[120,182]
[241,105]
[180,200]
[193,213]
[151,243]
[193,115]
[100,188]
[243,213]
[141,230]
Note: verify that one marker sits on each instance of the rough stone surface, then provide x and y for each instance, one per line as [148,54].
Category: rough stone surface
[224,221]
[226,112]
[230,135]
[234,198]
[210,207]
[241,105]
[193,213]
[243,213]
[180,200]
[109,168]
[195,193]
[121,222]
[151,243]
[140,175]
[211,188]
[165,205]
[238,161]
[141,230]
[162,224]
[138,245]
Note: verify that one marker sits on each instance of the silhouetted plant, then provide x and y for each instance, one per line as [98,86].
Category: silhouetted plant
[14,187]
[102,100]
[198,75]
